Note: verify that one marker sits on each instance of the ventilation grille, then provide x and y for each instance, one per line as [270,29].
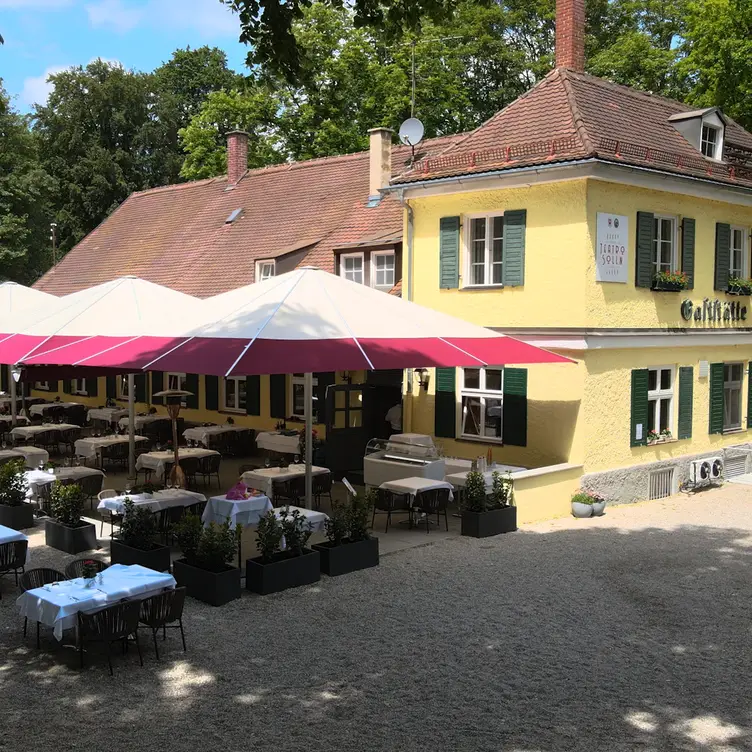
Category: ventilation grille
[661,483]
[735,466]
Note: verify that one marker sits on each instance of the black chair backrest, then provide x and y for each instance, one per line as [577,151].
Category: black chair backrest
[389,501]
[117,451]
[196,509]
[190,465]
[75,568]
[13,554]
[76,414]
[35,578]
[70,435]
[434,500]
[163,608]
[210,464]
[91,485]
[111,623]
[322,483]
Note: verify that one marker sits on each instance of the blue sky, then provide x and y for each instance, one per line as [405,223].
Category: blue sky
[43,36]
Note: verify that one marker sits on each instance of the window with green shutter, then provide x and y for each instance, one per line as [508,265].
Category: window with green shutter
[688,251]
[67,388]
[515,227]
[644,268]
[686,396]
[253,395]
[192,386]
[716,398]
[445,406]
[4,378]
[139,383]
[92,387]
[277,395]
[157,385]
[638,432]
[111,387]
[722,256]
[211,390]
[514,410]
[449,252]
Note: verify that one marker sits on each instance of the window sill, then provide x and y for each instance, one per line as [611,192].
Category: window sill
[738,293]
[231,411]
[727,431]
[480,440]
[668,289]
[482,287]
[658,442]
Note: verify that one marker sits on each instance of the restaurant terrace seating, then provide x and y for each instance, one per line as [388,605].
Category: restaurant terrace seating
[208,467]
[388,502]
[164,611]
[13,558]
[75,568]
[36,578]
[118,623]
[433,501]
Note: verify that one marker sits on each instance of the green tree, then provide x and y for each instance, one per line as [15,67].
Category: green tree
[25,192]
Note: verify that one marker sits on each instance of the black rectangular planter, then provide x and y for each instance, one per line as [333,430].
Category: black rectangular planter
[282,573]
[72,540]
[348,557]
[157,558]
[17,518]
[486,524]
[214,588]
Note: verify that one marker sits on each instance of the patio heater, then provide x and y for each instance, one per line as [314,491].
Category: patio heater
[173,399]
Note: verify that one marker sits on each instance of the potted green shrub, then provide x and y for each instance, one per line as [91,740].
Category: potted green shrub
[14,511]
[587,504]
[64,529]
[350,546]
[484,514]
[278,569]
[137,542]
[204,568]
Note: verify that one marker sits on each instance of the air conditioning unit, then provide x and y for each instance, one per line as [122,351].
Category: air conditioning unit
[700,471]
[716,468]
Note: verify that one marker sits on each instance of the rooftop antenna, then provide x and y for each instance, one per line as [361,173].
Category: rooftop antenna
[411,133]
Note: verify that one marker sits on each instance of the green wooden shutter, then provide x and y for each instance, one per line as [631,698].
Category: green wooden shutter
[157,385]
[513,268]
[278,395]
[111,385]
[53,386]
[749,396]
[722,256]
[211,388]
[688,250]
[253,395]
[716,398]
[449,252]
[639,416]
[139,388]
[325,379]
[514,409]
[92,387]
[192,385]
[4,378]
[67,389]
[686,388]
[445,404]
[644,252]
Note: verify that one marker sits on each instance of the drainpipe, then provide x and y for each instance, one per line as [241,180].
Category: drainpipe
[407,415]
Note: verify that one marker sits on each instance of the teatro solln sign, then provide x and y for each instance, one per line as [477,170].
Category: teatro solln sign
[713,311]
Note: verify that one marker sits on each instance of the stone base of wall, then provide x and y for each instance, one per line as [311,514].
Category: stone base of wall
[629,484]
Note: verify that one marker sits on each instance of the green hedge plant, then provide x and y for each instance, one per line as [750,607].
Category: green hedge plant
[67,503]
[12,484]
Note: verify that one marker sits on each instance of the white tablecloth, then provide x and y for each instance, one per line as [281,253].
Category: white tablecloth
[157,460]
[167,497]
[8,535]
[57,605]
[316,520]
[32,456]
[36,477]
[29,432]
[141,420]
[458,480]
[247,512]
[89,448]
[43,407]
[413,486]
[276,442]
[264,478]
[5,420]
[107,414]
[203,433]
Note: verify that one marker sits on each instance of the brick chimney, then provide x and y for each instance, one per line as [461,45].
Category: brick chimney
[570,34]
[237,156]
[380,161]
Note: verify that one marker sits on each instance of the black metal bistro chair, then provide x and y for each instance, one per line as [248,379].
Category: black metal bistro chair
[36,578]
[167,520]
[434,501]
[190,467]
[289,491]
[109,515]
[68,439]
[387,502]
[75,568]
[48,440]
[91,485]
[114,454]
[164,611]
[208,468]
[118,623]
[13,559]
[322,486]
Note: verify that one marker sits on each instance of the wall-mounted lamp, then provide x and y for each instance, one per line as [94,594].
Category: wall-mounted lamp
[423,377]
[347,377]
[15,372]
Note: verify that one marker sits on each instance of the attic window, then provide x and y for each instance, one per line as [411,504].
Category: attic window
[234,214]
[710,141]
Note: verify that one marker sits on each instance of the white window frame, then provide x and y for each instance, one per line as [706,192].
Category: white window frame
[43,386]
[342,272]
[181,377]
[298,379]
[717,143]
[121,387]
[468,250]
[260,277]
[483,393]
[79,387]
[235,408]
[743,272]
[658,395]
[383,254]
[674,242]
[735,385]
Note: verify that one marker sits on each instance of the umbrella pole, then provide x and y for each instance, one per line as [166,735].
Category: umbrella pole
[131,429]
[308,397]
[13,406]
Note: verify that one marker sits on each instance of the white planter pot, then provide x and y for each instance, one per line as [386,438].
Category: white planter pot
[598,508]
[581,510]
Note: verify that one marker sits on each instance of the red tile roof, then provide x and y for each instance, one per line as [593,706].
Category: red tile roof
[571,116]
[178,236]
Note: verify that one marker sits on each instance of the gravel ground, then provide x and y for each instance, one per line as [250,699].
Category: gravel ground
[627,632]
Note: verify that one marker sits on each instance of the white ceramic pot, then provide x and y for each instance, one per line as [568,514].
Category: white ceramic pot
[581,510]
[598,508]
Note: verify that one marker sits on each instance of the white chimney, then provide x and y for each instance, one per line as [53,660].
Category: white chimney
[380,159]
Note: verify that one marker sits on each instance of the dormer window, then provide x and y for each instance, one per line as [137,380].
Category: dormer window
[710,139]
[704,129]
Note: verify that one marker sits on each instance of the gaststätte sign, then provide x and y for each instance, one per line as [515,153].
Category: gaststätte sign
[612,236]
[713,311]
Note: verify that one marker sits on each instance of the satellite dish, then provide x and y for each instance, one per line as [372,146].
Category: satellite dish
[411,132]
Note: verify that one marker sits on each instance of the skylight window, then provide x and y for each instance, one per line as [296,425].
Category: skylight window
[709,143]
[234,214]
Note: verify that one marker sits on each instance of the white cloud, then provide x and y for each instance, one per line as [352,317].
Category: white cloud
[114,15]
[36,89]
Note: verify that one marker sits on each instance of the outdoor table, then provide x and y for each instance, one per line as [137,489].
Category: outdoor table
[35,478]
[263,478]
[106,414]
[41,408]
[141,420]
[458,480]
[204,433]
[8,535]
[158,461]
[32,456]
[5,420]
[89,448]
[156,502]
[413,486]
[29,432]
[57,604]
[316,520]
[277,442]
[246,512]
